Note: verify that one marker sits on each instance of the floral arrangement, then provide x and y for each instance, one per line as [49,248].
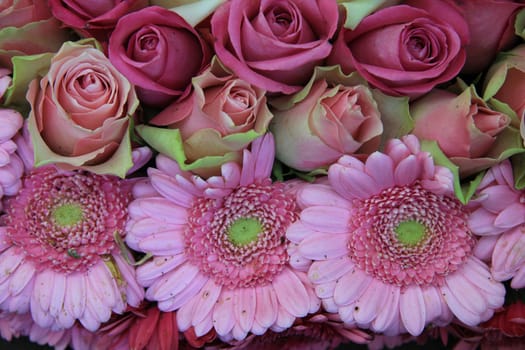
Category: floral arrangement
[232,174]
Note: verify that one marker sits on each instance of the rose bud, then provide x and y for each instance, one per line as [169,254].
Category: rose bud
[159,52]
[81,112]
[95,19]
[328,118]
[405,50]
[221,117]
[463,126]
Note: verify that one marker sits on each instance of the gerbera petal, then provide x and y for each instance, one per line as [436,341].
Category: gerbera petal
[320,195]
[244,303]
[352,183]
[325,290]
[326,219]
[478,274]
[499,197]
[323,247]
[266,307]
[518,281]
[181,298]
[21,277]
[481,222]
[102,283]
[381,168]
[407,171]
[157,267]
[170,189]
[58,294]
[284,319]
[413,310]
[291,293]
[163,243]
[367,306]
[511,216]
[41,317]
[351,286]
[9,261]
[387,314]
[95,304]
[297,231]
[75,299]
[172,283]
[329,270]
[458,309]
[223,316]
[42,292]
[160,209]
[89,320]
[208,297]
[185,314]
[434,303]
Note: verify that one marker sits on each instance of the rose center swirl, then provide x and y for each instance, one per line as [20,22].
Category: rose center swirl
[408,235]
[239,240]
[66,221]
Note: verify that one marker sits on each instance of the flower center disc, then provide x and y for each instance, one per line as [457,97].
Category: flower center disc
[410,233]
[244,231]
[67,214]
[239,240]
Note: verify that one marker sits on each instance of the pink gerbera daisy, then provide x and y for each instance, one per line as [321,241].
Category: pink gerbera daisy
[390,244]
[58,257]
[501,220]
[218,246]
[11,166]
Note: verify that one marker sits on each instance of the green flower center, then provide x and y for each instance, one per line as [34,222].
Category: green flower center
[410,233]
[67,214]
[244,231]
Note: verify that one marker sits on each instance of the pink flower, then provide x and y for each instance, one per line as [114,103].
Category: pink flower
[5,81]
[159,52]
[81,113]
[328,118]
[218,246]
[11,166]
[58,257]
[27,28]
[487,40]
[387,244]
[501,218]
[405,50]
[93,19]
[463,125]
[274,44]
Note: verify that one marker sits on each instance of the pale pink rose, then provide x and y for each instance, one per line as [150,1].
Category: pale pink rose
[274,44]
[93,18]
[463,125]
[81,112]
[405,50]
[26,28]
[219,119]
[159,52]
[330,121]
[491,26]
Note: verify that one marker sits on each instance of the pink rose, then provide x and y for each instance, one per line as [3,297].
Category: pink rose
[329,120]
[491,25]
[93,18]
[405,50]
[274,44]
[463,126]
[159,52]
[221,117]
[27,28]
[81,112]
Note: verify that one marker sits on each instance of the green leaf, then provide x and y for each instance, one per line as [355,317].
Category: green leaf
[356,10]
[518,166]
[519,24]
[463,191]
[395,116]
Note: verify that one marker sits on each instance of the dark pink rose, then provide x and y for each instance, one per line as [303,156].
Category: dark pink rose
[17,13]
[274,44]
[405,50]
[159,52]
[491,24]
[93,18]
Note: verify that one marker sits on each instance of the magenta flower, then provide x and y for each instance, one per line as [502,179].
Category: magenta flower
[11,166]
[218,246]
[501,220]
[58,257]
[390,244]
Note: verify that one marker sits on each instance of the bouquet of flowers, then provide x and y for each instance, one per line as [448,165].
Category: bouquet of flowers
[234,174]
